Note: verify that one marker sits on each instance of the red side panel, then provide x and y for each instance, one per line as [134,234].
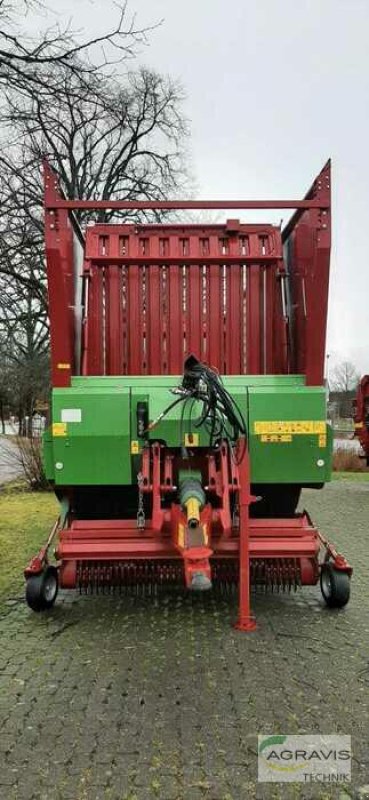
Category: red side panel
[308,240]
[59,259]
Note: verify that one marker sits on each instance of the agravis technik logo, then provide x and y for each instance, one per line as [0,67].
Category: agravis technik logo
[306,758]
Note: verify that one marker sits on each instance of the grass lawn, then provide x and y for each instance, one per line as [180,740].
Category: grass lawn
[25,521]
[351,476]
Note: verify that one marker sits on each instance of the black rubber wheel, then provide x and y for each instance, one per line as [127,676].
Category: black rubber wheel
[335,586]
[42,589]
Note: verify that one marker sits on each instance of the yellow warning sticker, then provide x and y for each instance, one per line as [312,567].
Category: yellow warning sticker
[358,425]
[59,428]
[304,427]
[135,448]
[191,439]
[63,365]
[275,438]
[322,440]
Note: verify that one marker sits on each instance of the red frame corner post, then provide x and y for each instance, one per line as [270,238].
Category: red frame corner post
[245,622]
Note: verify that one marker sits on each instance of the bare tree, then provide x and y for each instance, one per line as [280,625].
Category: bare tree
[344,377]
[120,140]
[24,354]
[106,137]
[23,317]
[26,62]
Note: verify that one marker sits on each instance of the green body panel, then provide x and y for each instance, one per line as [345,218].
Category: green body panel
[96,449]
[302,460]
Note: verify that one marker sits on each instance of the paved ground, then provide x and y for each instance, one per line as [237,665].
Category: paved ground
[118,698]
[9,466]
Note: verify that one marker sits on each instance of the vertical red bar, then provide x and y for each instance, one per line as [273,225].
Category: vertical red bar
[68,259]
[271,311]
[125,327]
[215,324]
[316,303]
[95,361]
[233,311]
[113,318]
[253,328]
[302,251]
[157,511]
[154,320]
[194,311]
[245,621]
[244,318]
[175,334]
[280,354]
[61,342]
[164,318]
[233,323]
[205,303]
[134,327]
[59,264]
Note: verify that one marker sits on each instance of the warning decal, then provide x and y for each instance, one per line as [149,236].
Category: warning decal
[292,428]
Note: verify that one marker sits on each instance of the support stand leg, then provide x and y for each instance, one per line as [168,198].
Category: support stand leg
[245,620]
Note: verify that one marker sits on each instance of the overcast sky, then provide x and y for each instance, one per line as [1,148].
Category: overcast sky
[274,88]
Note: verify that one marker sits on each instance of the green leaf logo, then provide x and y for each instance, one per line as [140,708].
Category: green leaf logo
[270,740]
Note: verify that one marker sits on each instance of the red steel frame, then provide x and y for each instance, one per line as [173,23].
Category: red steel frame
[247,299]
[250,299]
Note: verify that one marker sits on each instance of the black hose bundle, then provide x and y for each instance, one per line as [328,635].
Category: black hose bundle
[220,413]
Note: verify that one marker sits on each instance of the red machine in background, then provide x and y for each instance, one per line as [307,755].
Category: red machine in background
[361,415]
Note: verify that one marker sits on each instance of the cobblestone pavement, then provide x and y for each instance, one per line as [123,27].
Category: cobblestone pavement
[108,698]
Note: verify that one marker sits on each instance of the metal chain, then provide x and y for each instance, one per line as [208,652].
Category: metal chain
[140,508]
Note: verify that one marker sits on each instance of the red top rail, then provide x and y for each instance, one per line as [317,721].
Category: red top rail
[167,205]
